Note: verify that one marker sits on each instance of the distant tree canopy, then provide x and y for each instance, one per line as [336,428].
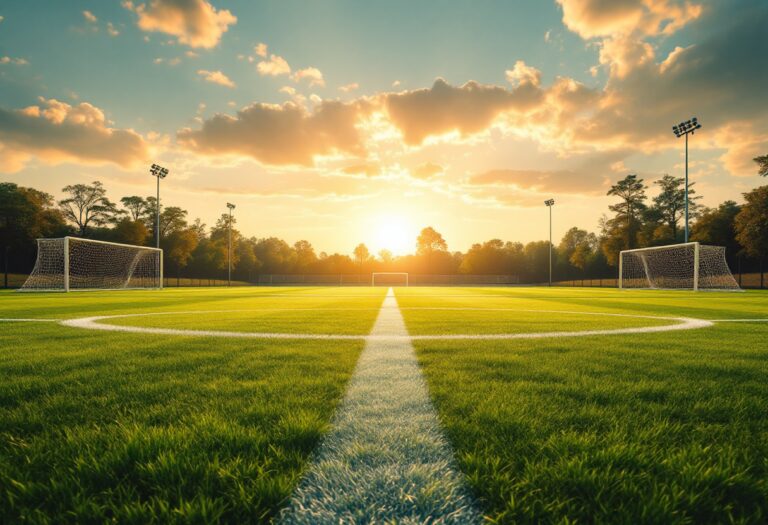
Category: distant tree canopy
[190,247]
[762,165]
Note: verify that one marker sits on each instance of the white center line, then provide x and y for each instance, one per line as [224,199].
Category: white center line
[386,458]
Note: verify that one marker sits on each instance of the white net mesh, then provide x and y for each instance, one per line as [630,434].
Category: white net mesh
[93,265]
[674,267]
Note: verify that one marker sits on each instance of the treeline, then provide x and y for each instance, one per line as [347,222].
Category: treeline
[192,249]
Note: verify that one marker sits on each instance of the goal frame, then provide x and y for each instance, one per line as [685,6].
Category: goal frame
[67,288]
[374,274]
[696,284]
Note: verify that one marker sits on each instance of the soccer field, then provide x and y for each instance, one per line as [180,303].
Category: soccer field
[552,404]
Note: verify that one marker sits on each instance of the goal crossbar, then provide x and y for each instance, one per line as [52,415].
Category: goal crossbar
[374,274]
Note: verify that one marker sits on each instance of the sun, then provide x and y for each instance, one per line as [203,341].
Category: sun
[394,233]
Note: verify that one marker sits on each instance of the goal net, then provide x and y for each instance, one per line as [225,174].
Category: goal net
[688,266]
[389,278]
[70,263]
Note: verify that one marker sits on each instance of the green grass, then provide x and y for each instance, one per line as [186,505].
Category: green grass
[136,428]
[649,428]
[98,427]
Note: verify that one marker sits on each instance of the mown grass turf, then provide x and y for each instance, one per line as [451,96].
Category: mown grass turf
[98,427]
[649,428]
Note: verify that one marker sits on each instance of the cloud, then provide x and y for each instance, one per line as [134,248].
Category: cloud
[275,66]
[58,132]
[426,170]
[348,88]
[14,61]
[466,109]
[260,49]
[170,61]
[590,175]
[280,135]
[195,23]
[716,78]
[594,18]
[112,30]
[523,74]
[216,77]
[368,169]
[312,74]
[90,17]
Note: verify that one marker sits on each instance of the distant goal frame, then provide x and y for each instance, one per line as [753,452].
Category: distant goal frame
[374,274]
[66,267]
[706,265]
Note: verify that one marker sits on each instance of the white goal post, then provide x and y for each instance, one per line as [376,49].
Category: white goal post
[374,274]
[686,266]
[71,263]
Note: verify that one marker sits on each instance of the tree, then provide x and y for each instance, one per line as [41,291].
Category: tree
[87,205]
[305,256]
[430,241]
[578,248]
[129,231]
[136,206]
[716,226]
[173,219]
[386,257]
[219,242]
[670,202]
[275,255]
[620,232]
[361,254]
[762,165]
[178,247]
[26,214]
[751,223]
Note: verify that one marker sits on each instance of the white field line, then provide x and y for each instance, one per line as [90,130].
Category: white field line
[93,323]
[385,459]
[739,320]
[29,320]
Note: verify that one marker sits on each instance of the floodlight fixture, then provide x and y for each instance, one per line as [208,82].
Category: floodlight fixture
[685,128]
[161,173]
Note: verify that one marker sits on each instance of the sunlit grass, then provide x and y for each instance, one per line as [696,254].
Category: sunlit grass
[98,427]
[648,428]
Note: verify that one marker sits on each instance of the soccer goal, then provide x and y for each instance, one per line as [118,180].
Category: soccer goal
[687,266]
[389,278]
[71,263]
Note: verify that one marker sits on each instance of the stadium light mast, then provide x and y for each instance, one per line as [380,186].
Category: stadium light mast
[229,245]
[686,128]
[550,203]
[160,173]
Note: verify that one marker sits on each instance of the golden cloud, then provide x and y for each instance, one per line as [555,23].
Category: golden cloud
[426,170]
[216,77]
[280,134]
[195,23]
[275,66]
[466,109]
[57,132]
[594,18]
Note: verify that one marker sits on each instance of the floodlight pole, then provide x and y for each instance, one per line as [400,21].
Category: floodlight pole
[229,245]
[160,173]
[550,203]
[686,128]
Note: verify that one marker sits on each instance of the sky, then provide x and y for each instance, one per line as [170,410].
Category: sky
[341,121]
